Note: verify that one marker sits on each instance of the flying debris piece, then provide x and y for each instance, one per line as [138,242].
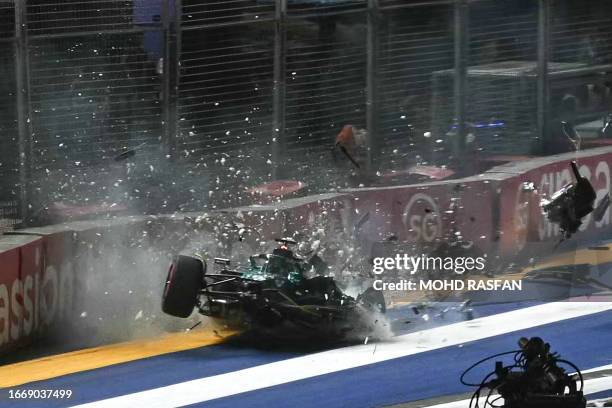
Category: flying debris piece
[128,153]
[528,186]
[278,188]
[467,311]
[606,130]
[465,304]
[568,206]
[222,261]
[348,155]
[125,155]
[601,208]
[286,241]
[360,223]
[196,325]
[433,172]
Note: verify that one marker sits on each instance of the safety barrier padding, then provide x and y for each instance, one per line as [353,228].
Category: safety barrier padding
[22,286]
[424,213]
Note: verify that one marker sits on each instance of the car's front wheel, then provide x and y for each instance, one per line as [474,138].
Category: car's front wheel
[183,285]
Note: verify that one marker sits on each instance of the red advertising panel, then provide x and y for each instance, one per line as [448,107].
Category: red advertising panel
[57,279]
[20,264]
[9,276]
[35,288]
[324,212]
[427,213]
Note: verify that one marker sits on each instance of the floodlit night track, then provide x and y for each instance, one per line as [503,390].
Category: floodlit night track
[306,203]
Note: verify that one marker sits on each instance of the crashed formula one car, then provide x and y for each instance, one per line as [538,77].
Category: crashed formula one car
[276,290]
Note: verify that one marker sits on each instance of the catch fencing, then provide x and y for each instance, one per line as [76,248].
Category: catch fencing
[215,97]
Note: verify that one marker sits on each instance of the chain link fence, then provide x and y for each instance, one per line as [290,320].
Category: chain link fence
[165,105]
[325,79]
[226,80]
[581,42]
[94,91]
[416,82]
[502,77]
[9,143]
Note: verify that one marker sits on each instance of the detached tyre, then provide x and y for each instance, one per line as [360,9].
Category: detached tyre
[183,285]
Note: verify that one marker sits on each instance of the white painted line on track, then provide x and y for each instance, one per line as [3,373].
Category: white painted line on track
[592,386]
[596,369]
[295,369]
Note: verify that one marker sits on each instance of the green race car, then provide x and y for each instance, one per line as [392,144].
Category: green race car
[276,291]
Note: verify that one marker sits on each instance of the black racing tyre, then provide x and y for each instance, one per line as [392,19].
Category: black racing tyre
[183,284]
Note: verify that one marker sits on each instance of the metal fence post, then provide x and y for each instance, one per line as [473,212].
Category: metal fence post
[543,96]
[23,108]
[461,57]
[373,145]
[166,86]
[171,74]
[277,142]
